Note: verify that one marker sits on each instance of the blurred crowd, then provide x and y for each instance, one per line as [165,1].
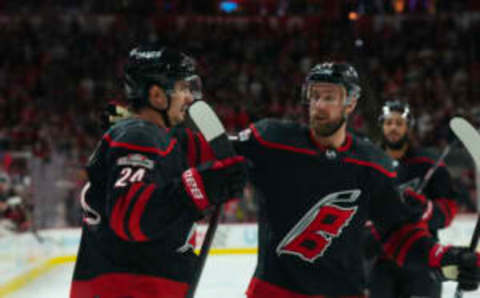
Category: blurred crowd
[60,67]
[241,7]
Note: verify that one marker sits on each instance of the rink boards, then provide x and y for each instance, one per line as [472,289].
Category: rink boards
[23,258]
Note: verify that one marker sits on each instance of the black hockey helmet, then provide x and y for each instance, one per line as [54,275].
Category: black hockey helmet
[150,64]
[399,106]
[342,74]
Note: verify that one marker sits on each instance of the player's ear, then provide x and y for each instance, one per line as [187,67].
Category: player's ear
[157,97]
[350,107]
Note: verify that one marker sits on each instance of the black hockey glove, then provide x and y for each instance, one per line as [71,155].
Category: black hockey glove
[215,182]
[419,203]
[462,265]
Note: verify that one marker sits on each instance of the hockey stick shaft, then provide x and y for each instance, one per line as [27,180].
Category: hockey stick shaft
[214,133]
[471,139]
[472,247]
[207,243]
[434,168]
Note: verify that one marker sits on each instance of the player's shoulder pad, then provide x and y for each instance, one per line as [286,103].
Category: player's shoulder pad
[279,131]
[139,135]
[367,153]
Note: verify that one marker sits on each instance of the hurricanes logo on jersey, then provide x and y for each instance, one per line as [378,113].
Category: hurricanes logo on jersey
[313,234]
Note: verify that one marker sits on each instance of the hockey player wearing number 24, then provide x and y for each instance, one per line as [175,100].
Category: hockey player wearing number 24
[150,179]
[436,205]
[320,185]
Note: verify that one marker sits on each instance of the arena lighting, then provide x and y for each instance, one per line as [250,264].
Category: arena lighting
[228,6]
[353,16]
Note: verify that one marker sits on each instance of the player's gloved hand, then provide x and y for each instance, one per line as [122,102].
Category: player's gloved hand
[419,202]
[460,264]
[215,182]
[113,113]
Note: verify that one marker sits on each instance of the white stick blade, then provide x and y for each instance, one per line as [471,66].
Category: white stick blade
[206,120]
[469,136]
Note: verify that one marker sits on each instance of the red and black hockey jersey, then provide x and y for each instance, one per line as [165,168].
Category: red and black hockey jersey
[137,228]
[442,205]
[315,204]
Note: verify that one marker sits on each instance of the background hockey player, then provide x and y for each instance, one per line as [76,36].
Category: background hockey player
[319,185]
[13,215]
[149,181]
[436,205]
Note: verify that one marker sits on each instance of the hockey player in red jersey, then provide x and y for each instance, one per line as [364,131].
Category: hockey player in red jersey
[150,179]
[437,204]
[319,185]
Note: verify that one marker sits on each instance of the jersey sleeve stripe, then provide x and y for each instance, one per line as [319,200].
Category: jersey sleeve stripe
[134,225]
[448,208]
[273,145]
[400,259]
[395,240]
[191,149]
[422,159]
[372,165]
[206,152]
[134,147]
[435,255]
[117,218]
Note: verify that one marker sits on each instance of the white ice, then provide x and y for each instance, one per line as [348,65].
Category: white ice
[224,276]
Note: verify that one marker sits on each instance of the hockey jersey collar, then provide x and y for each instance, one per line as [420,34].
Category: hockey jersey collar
[345,146]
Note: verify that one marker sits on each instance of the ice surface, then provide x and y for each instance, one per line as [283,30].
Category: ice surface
[224,276]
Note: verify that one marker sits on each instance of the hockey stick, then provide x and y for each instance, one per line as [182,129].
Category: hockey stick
[437,164]
[207,122]
[471,140]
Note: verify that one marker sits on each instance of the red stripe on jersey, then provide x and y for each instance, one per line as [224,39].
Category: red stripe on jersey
[398,237]
[422,159]
[191,148]
[448,208]
[114,285]
[436,254]
[273,145]
[261,289]
[372,165]
[117,217]
[134,147]
[206,152]
[346,145]
[134,223]
[400,259]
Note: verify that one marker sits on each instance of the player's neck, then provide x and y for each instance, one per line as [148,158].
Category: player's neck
[397,153]
[151,116]
[336,140]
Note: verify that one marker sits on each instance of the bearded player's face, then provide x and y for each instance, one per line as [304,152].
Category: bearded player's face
[327,110]
[395,128]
